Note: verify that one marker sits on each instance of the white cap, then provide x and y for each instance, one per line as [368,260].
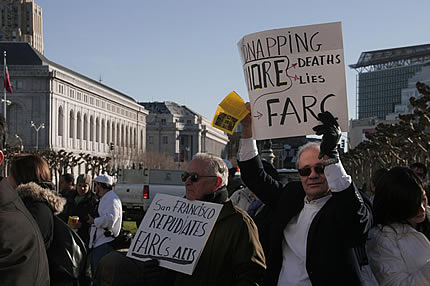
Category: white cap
[105,179]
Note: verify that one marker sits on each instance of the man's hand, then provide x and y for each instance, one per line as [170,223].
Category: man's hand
[247,124]
[90,219]
[330,131]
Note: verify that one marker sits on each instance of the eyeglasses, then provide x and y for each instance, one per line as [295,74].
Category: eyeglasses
[194,177]
[304,172]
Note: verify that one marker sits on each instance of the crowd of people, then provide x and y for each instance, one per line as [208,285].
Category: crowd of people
[321,230]
[29,209]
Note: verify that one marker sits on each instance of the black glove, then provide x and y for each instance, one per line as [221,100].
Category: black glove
[330,131]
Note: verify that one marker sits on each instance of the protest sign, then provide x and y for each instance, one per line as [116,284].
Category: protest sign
[174,231]
[229,113]
[292,75]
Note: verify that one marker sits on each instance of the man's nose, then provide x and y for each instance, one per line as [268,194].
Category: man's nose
[313,173]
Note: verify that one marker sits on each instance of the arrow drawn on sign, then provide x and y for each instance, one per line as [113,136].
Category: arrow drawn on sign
[259,115]
[295,77]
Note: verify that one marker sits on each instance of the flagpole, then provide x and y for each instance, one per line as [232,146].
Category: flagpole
[4,88]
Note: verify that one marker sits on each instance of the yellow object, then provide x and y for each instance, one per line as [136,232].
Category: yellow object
[73,221]
[229,113]
[130,226]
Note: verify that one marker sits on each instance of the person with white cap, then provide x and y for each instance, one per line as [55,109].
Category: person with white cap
[107,225]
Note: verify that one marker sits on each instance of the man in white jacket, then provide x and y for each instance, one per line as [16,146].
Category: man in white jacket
[107,225]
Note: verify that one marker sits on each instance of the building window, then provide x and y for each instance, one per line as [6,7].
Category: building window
[122,136]
[97,130]
[108,132]
[103,131]
[163,121]
[91,128]
[134,138]
[78,126]
[60,121]
[85,127]
[165,140]
[19,84]
[72,125]
[150,139]
[113,133]
[118,135]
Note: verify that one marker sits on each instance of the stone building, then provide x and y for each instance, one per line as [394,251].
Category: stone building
[80,115]
[177,130]
[21,21]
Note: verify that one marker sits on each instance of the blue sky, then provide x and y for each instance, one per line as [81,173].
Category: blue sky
[186,50]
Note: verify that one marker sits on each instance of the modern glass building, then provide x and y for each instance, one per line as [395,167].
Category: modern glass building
[384,75]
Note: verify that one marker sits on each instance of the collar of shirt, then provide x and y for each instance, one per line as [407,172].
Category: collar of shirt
[318,202]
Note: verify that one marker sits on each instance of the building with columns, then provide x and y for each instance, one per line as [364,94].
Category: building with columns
[178,131]
[80,115]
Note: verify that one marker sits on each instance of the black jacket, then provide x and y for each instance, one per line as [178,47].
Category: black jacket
[23,259]
[337,228]
[88,205]
[42,204]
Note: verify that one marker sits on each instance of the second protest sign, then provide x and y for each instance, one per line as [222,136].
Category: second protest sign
[174,231]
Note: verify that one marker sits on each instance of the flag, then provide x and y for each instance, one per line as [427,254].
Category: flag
[6,80]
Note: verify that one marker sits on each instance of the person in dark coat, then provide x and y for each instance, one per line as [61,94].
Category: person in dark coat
[30,176]
[81,202]
[232,254]
[317,222]
[67,185]
[23,259]
[40,200]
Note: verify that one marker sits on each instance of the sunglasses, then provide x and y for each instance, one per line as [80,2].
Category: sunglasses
[194,177]
[304,172]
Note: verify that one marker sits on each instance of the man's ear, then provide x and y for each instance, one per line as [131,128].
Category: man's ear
[1,157]
[218,183]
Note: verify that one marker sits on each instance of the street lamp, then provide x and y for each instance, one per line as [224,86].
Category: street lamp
[42,125]
[21,145]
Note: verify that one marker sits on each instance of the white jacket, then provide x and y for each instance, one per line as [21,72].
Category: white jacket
[399,255]
[110,218]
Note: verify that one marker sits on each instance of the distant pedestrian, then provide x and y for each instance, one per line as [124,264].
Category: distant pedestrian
[67,185]
[81,202]
[107,224]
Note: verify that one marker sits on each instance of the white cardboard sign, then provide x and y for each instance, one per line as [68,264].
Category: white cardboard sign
[174,231]
[292,75]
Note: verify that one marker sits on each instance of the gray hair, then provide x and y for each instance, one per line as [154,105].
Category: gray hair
[309,145]
[216,166]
